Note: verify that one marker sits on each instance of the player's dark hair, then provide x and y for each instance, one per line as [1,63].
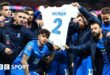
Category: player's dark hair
[44,31]
[105,10]
[4,4]
[22,11]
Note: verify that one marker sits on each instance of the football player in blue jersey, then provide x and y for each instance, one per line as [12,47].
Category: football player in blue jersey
[34,51]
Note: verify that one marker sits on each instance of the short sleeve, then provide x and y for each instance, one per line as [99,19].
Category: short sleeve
[28,48]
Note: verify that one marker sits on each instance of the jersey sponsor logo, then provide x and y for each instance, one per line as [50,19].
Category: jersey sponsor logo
[29,48]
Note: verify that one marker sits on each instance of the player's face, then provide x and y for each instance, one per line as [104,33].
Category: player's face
[95,30]
[25,20]
[31,15]
[42,39]
[21,18]
[81,22]
[105,18]
[6,11]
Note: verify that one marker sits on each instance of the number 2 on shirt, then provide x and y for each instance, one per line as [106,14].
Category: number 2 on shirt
[55,30]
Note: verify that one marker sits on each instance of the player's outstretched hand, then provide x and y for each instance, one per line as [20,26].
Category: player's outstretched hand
[66,46]
[76,4]
[40,22]
[55,47]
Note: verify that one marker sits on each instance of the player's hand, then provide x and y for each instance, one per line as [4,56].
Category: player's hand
[40,23]
[8,51]
[66,47]
[75,4]
[76,20]
[55,47]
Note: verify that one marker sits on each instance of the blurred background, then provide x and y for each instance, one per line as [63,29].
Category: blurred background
[89,4]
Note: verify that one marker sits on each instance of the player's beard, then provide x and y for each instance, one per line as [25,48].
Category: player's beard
[95,35]
[107,23]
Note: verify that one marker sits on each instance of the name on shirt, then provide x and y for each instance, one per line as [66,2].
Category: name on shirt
[59,13]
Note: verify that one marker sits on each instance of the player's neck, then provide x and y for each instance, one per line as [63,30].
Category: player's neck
[100,36]
[39,44]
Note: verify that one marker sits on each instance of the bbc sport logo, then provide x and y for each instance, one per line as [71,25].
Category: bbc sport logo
[8,66]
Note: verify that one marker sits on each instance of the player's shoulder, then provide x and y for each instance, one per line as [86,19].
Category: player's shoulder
[32,42]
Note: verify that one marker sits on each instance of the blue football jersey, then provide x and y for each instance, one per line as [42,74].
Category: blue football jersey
[106,27]
[34,52]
